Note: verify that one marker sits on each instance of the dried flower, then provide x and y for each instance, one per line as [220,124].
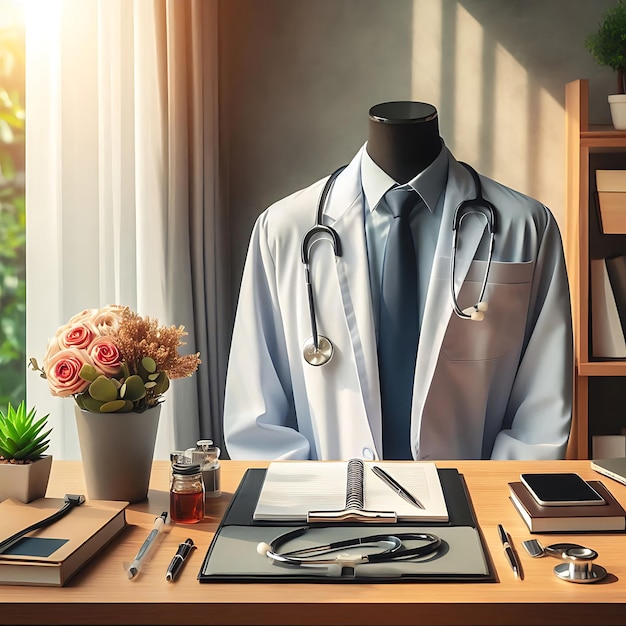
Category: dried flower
[113,360]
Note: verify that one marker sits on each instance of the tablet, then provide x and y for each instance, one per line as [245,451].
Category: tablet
[561,489]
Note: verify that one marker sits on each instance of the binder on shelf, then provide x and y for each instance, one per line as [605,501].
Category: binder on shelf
[616,269]
[233,557]
[611,185]
[607,334]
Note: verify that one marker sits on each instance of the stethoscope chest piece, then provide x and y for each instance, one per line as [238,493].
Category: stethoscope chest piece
[319,355]
[578,565]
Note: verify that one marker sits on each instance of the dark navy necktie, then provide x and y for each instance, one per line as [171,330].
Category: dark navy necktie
[398,326]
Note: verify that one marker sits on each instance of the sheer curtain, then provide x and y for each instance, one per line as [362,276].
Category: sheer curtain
[122,189]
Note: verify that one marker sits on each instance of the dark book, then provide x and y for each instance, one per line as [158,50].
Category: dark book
[561,519]
[616,269]
[52,555]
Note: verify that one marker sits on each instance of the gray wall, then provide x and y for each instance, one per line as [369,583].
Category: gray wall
[297,78]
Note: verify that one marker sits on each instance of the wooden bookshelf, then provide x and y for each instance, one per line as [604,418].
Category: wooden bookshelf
[582,141]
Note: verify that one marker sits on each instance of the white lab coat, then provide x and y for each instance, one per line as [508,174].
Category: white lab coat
[500,388]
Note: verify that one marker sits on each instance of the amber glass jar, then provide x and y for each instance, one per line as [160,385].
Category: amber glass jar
[186,493]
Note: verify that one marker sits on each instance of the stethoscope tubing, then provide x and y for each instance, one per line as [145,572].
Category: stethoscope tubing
[316,555]
[316,354]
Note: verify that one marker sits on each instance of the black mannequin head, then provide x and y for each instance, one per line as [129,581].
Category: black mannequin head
[403,138]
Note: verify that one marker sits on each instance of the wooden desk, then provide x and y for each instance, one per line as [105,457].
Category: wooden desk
[102,594]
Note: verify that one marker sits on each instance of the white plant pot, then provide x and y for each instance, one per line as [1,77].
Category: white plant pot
[25,482]
[617,103]
[117,451]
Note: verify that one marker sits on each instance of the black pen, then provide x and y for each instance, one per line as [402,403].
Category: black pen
[508,550]
[179,559]
[396,486]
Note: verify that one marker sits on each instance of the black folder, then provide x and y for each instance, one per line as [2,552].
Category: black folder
[232,555]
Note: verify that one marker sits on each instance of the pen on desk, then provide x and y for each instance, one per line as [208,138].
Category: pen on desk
[147,546]
[178,561]
[508,550]
[396,486]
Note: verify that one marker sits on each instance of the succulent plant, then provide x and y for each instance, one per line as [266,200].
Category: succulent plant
[21,437]
[131,392]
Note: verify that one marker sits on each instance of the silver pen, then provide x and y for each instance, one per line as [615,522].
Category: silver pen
[396,486]
[508,550]
[147,546]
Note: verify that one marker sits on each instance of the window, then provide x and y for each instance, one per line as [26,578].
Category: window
[12,206]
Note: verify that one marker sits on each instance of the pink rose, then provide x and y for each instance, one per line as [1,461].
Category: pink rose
[77,336]
[107,319]
[52,349]
[106,356]
[84,316]
[62,372]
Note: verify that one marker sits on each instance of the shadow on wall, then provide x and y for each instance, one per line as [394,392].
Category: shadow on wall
[297,79]
[500,83]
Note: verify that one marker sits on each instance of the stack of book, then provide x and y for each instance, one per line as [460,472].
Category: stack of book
[544,519]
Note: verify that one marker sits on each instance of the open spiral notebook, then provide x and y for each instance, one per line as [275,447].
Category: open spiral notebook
[349,490]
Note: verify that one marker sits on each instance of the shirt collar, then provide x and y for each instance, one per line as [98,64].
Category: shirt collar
[429,183]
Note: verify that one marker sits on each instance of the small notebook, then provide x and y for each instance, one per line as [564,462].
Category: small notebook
[330,491]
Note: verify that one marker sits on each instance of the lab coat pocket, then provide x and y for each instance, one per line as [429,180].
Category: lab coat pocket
[502,330]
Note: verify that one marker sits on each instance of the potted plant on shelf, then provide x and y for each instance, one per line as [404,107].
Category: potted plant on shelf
[608,47]
[116,365]
[24,469]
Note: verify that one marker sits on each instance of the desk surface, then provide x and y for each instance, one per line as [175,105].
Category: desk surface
[101,593]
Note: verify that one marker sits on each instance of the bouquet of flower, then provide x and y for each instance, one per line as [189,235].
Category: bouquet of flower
[112,360]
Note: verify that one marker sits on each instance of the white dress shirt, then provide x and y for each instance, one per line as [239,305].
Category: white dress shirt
[425,221]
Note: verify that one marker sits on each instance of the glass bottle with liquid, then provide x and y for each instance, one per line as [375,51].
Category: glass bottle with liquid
[186,493]
[208,456]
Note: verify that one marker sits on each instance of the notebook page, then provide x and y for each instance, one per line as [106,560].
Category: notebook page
[293,488]
[419,478]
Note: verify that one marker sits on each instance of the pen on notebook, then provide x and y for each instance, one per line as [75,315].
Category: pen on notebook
[176,564]
[147,545]
[508,550]
[396,486]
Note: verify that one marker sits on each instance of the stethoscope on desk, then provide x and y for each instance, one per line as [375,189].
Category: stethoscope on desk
[386,548]
[318,349]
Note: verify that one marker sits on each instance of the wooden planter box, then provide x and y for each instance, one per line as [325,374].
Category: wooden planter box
[25,482]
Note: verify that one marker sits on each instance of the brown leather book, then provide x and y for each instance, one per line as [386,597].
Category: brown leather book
[52,555]
[586,518]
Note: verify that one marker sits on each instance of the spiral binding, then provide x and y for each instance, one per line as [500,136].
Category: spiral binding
[354,486]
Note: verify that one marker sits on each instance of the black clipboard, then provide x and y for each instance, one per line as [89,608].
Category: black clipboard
[232,555]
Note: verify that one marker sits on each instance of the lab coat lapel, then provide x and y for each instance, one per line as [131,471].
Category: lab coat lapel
[345,214]
[438,306]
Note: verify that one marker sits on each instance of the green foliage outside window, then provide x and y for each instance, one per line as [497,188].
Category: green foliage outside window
[12,217]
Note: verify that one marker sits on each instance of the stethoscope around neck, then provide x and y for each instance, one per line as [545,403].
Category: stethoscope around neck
[318,349]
